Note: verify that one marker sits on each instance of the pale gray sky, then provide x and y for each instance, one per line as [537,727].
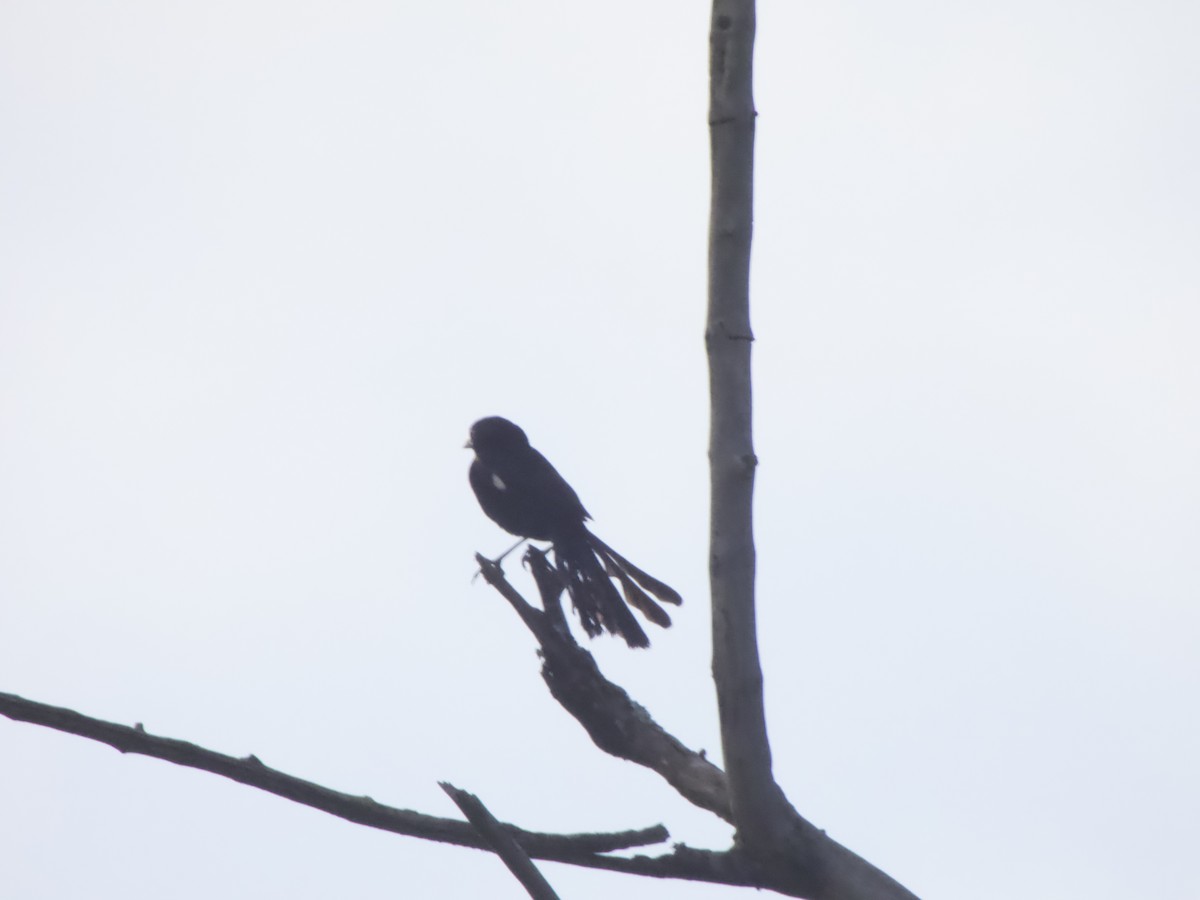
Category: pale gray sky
[264,263]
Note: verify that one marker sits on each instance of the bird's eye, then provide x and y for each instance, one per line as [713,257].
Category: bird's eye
[500,485]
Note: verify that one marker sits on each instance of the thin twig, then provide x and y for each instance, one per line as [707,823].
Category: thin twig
[501,842]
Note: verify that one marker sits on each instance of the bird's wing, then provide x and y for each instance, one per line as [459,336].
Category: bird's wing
[532,476]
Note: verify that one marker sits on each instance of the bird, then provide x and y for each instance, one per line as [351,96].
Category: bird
[520,491]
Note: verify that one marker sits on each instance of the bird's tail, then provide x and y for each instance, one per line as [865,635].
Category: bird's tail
[633,580]
[588,565]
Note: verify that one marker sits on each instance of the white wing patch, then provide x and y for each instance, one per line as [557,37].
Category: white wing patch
[500,485]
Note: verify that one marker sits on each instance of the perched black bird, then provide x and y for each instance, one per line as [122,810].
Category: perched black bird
[522,493]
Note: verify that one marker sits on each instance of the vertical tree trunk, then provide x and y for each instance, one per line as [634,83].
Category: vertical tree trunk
[736,669]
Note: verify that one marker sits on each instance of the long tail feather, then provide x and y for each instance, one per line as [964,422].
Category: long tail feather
[636,597]
[663,592]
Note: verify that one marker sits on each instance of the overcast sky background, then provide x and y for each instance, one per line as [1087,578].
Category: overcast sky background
[262,264]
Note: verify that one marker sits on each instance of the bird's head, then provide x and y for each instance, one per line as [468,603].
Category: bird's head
[495,434]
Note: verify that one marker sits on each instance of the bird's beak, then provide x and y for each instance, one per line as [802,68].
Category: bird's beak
[468,445]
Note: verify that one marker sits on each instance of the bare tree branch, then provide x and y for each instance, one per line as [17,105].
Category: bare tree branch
[575,849]
[501,842]
[618,725]
[362,810]
[805,862]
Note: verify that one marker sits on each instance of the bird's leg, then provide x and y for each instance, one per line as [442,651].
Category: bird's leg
[509,550]
[496,561]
